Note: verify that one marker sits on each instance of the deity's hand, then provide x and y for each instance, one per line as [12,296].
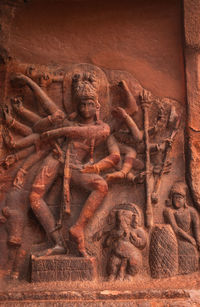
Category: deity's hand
[123,85]
[46,135]
[19,179]
[6,115]
[17,102]
[145,98]
[192,241]
[3,219]
[9,160]
[45,79]
[119,112]
[57,117]
[31,71]
[18,79]
[90,169]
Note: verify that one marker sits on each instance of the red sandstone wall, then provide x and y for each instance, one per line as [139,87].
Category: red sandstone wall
[143,37]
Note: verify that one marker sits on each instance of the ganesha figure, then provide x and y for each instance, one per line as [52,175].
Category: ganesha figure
[125,241]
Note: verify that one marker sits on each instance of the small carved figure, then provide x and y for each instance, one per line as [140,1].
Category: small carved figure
[14,216]
[125,240]
[185,224]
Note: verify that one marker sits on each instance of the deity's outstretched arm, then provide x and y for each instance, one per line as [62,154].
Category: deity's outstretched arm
[27,141]
[96,132]
[49,121]
[29,162]
[131,105]
[123,115]
[24,112]
[14,124]
[13,158]
[46,102]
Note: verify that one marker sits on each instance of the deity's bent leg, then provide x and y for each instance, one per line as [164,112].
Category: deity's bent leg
[99,188]
[42,183]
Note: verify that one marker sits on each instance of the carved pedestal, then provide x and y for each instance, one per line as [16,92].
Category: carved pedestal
[60,268]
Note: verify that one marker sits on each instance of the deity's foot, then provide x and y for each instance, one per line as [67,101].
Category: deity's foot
[77,234]
[56,250]
[111,278]
[15,275]
[128,277]
[115,175]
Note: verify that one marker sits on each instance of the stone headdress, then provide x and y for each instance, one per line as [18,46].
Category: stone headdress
[86,81]
[129,207]
[178,187]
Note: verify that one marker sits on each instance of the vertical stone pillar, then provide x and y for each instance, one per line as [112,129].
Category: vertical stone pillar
[192,61]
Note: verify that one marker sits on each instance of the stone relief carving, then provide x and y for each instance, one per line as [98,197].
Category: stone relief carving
[124,239]
[184,221]
[74,138]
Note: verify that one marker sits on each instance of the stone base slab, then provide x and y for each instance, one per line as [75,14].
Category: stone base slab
[63,268]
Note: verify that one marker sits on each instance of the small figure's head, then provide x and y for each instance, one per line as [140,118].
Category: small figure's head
[178,195]
[128,214]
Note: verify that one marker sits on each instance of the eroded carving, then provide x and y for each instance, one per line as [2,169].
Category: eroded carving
[85,146]
[124,242]
[184,221]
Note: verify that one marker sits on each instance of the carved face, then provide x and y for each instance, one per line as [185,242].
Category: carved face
[178,200]
[87,109]
[124,218]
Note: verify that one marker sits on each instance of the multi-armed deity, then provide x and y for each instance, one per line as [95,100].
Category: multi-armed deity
[101,150]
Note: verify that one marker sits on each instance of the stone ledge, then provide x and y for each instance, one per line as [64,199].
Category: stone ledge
[103,295]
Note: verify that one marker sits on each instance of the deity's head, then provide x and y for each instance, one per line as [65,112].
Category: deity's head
[128,214]
[178,195]
[85,88]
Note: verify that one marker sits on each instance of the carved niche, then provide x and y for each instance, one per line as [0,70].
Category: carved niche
[89,157]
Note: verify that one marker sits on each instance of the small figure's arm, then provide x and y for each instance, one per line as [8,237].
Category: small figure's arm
[138,238]
[195,225]
[169,214]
